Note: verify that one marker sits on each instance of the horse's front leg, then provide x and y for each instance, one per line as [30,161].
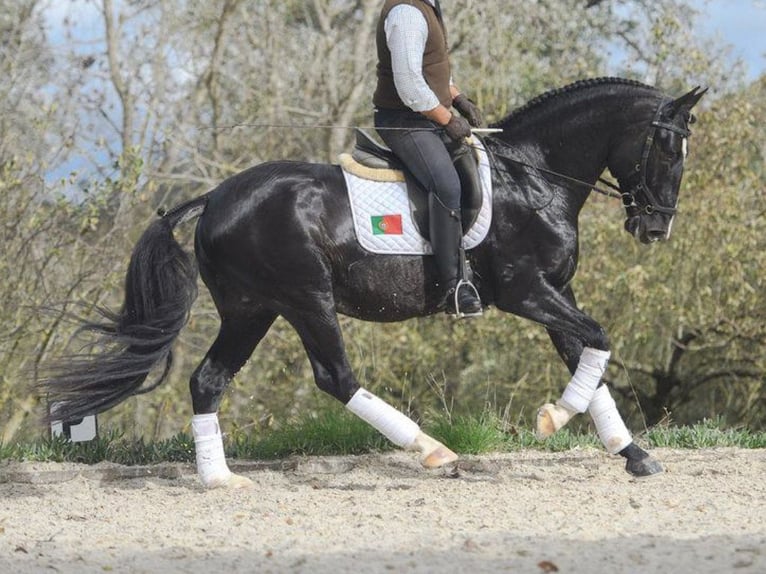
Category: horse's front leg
[586,361]
[610,426]
[584,347]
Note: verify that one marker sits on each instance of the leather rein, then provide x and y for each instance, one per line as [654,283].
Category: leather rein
[651,205]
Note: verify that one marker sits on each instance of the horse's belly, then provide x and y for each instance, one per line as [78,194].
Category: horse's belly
[384,288]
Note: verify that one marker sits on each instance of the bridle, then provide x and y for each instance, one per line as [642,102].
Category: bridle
[641,188]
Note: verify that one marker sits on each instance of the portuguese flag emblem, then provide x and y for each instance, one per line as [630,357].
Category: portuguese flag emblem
[386,224]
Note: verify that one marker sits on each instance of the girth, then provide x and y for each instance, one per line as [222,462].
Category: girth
[373,155]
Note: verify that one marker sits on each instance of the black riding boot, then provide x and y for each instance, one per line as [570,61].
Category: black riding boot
[460,296]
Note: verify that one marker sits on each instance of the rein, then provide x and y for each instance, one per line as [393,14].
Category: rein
[617,193]
[628,197]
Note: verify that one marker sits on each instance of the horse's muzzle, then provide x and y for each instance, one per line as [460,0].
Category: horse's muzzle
[646,232]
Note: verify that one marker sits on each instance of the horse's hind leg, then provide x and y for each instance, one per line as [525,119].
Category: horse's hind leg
[232,348]
[318,328]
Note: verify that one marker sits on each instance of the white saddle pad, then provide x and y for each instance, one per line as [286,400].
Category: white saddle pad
[383,220]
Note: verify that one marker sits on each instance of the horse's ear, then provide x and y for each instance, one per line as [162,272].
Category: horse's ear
[685,102]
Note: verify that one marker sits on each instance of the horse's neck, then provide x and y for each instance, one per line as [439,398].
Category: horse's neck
[573,136]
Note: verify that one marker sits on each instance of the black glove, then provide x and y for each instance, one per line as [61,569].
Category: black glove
[458,128]
[468,110]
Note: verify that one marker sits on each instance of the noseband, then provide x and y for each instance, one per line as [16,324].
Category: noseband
[641,187]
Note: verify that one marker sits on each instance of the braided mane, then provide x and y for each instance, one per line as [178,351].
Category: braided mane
[546,97]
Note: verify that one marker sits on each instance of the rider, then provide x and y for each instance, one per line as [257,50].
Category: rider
[414,95]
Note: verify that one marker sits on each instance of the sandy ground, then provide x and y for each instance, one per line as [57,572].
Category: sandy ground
[523,512]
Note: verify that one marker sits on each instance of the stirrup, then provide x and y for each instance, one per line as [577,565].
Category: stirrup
[457,313]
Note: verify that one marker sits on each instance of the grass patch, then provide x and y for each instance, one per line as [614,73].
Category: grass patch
[337,432]
[470,434]
[111,446]
[333,432]
[706,434]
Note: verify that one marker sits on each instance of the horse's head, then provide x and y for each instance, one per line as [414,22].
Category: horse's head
[649,166]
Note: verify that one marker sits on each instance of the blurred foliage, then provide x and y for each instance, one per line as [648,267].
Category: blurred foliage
[167,98]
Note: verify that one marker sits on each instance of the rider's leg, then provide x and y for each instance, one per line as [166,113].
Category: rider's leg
[422,149]
[446,236]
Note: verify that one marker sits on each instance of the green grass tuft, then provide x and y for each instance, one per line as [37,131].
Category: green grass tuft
[470,434]
[337,432]
[333,432]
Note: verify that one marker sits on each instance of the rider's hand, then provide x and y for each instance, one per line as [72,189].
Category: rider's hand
[458,128]
[468,110]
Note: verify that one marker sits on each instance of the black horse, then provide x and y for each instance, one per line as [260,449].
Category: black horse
[277,239]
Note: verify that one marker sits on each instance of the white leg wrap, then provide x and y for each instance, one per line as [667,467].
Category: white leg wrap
[208,446]
[393,424]
[610,427]
[579,392]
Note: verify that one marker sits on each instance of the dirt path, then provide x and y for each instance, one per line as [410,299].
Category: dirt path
[523,512]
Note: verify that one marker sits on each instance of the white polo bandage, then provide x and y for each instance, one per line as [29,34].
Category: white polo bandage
[610,427]
[393,424]
[579,392]
[208,447]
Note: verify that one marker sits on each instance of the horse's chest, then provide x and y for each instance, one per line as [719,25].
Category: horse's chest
[558,262]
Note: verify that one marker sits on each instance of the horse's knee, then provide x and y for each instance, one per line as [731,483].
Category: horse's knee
[340,383]
[598,339]
[207,385]
[342,389]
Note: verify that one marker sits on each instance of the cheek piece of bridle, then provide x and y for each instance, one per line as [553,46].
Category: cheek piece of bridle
[640,189]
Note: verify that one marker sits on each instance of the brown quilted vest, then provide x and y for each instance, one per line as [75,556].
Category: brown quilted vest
[436,68]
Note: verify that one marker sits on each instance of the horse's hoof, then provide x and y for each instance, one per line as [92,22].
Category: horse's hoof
[433,453]
[233,482]
[238,481]
[647,466]
[439,457]
[551,418]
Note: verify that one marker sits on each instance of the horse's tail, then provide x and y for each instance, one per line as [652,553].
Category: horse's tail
[160,288]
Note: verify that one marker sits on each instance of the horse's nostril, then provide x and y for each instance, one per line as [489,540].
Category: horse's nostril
[631,225]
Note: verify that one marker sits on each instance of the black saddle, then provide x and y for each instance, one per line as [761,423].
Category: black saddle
[370,153]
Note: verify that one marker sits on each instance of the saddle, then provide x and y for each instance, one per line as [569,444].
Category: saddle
[380,161]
